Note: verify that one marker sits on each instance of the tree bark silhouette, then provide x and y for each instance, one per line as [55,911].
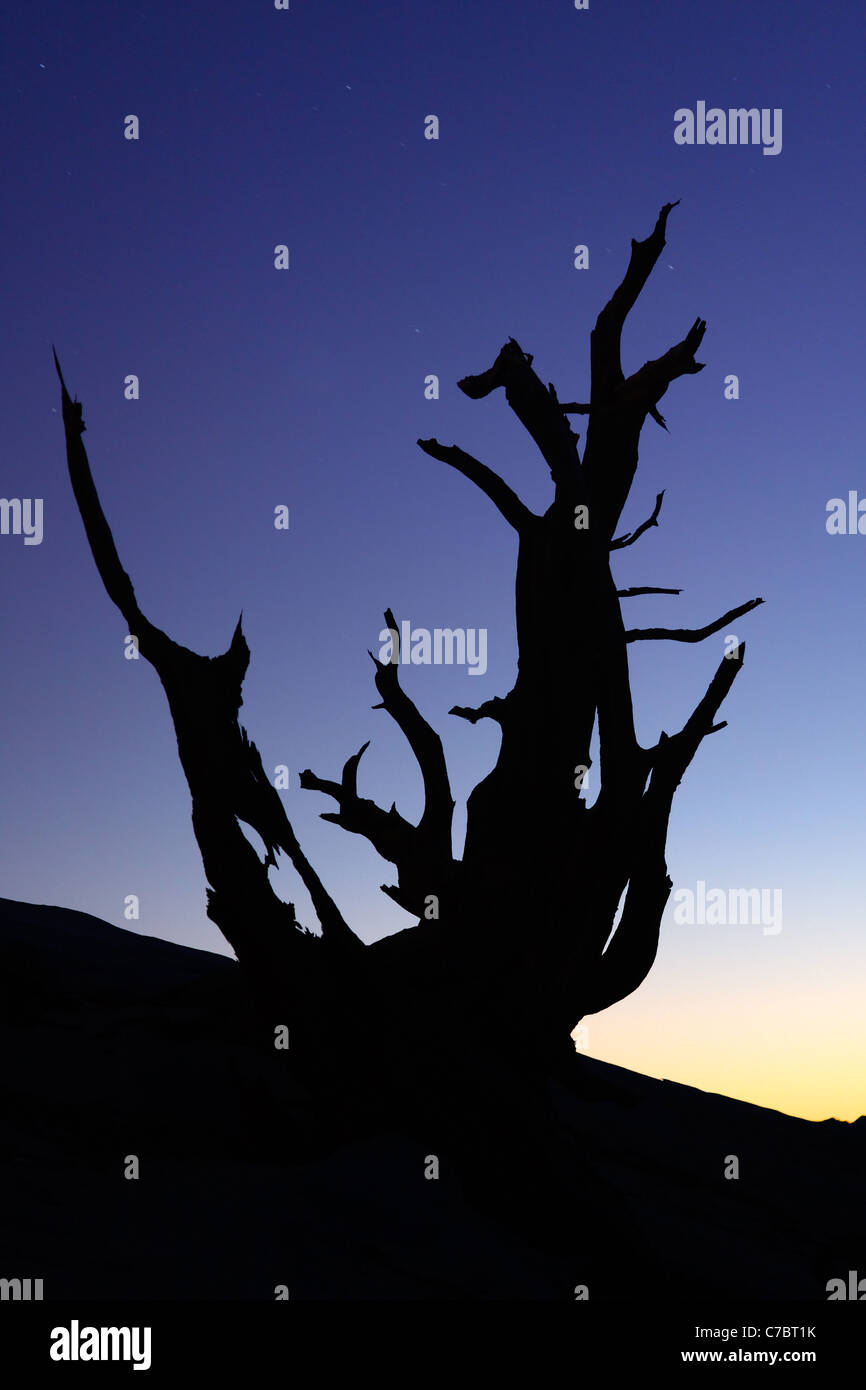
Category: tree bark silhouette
[513,943]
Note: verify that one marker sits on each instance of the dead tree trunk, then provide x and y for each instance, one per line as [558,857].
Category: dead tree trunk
[509,948]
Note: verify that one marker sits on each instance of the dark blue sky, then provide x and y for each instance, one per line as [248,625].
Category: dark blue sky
[305,387]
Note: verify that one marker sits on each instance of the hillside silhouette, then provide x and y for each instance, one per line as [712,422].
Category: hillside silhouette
[121,1044]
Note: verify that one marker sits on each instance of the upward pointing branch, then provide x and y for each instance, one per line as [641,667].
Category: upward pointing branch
[605,340]
[618,406]
[424,742]
[631,952]
[223,767]
[118,584]
[672,756]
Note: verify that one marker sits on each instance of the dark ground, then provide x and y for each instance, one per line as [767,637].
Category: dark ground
[117,1044]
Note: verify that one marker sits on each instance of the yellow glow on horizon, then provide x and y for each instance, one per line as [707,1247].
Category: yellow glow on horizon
[803,1053]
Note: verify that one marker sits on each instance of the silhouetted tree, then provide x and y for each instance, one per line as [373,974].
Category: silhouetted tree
[509,949]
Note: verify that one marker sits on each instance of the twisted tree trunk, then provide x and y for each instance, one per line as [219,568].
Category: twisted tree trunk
[512,943]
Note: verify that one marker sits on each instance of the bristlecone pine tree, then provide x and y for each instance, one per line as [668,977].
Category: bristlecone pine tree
[454,1023]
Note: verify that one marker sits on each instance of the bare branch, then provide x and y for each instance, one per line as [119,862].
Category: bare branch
[645,387]
[419,863]
[606,336]
[223,767]
[311,783]
[491,709]
[535,406]
[619,407]
[644,589]
[408,901]
[690,634]
[576,408]
[512,508]
[653,520]
[632,950]
[266,809]
[117,582]
[389,833]
[435,823]
[671,756]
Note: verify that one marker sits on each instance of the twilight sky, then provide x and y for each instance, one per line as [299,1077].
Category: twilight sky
[305,387]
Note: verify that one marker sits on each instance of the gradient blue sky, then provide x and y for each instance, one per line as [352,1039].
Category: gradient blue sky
[306,387]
